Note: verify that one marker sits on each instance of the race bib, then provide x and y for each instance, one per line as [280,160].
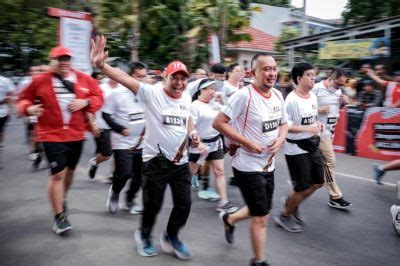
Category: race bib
[331,120]
[172,118]
[271,123]
[308,119]
[136,118]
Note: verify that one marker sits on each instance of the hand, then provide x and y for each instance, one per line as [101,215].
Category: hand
[77,104]
[126,132]
[202,148]
[324,110]
[95,130]
[218,98]
[97,54]
[343,100]
[251,146]
[316,129]
[275,145]
[194,135]
[35,110]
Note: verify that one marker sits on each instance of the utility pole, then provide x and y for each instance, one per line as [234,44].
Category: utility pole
[304,20]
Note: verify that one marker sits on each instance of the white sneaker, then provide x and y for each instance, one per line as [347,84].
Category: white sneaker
[395,211]
[136,209]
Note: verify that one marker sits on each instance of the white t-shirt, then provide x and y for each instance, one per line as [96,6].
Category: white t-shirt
[64,97]
[229,89]
[264,117]
[107,91]
[128,111]
[166,122]
[203,115]
[327,97]
[300,111]
[6,87]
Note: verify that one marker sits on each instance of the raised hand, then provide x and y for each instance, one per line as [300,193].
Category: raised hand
[97,54]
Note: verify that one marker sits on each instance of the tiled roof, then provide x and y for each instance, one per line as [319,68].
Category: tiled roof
[260,41]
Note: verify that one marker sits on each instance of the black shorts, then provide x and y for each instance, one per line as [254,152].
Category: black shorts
[257,189]
[305,169]
[62,154]
[103,143]
[215,155]
[3,121]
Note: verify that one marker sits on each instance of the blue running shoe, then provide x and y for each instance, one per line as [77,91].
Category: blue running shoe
[145,246]
[378,174]
[172,245]
[195,182]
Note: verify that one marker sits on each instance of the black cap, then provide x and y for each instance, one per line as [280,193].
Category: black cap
[218,68]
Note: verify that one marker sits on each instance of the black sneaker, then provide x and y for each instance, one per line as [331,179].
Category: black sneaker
[339,203]
[61,225]
[262,263]
[92,168]
[229,229]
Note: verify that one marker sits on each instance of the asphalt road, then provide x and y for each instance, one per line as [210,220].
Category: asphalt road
[361,236]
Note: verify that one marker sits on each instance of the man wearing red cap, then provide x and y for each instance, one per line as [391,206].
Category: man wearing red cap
[165,159]
[64,96]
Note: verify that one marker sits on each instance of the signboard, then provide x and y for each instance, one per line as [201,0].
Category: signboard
[75,34]
[379,135]
[357,49]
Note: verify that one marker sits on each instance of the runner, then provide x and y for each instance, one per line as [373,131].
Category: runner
[330,99]
[203,112]
[65,96]
[6,89]
[168,124]
[259,127]
[303,157]
[102,136]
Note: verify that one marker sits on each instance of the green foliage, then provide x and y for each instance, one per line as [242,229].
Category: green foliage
[360,11]
[286,34]
[282,3]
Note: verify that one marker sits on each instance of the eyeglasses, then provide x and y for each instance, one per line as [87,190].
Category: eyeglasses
[63,59]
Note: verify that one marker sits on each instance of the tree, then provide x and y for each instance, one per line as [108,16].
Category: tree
[360,11]
[287,33]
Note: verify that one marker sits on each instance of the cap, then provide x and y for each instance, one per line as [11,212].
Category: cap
[60,51]
[175,67]
[204,83]
[218,68]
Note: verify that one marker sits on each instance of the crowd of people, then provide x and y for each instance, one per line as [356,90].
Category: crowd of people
[176,130]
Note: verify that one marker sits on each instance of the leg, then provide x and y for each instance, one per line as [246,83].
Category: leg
[328,156]
[220,180]
[136,180]
[154,185]
[123,169]
[56,190]
[392,165]
[296,198]
[258,231]
[181,195]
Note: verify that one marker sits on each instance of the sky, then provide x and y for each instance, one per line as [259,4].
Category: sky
[326,9]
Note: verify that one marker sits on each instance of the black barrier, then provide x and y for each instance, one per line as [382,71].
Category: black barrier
[354,120]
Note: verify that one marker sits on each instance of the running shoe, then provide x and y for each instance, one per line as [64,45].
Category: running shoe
[112,201]
[378,173]
[92,168]
[287,223]
[262,263]
[228,228]
[227,207]
[339,203]
[296,214]
[395,211]
[145,245]
[195,182]
[61,225]
[172,245]
[212,195]
[136,208]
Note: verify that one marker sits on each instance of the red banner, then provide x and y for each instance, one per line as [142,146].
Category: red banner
[339,139]
[379,135]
